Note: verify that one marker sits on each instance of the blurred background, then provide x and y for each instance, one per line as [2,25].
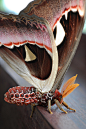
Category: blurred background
[14,7]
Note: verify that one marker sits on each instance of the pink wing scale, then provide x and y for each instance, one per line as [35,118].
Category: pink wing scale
[57,7]
[16,35]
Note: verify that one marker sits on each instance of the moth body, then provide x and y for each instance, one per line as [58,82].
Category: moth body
[21,95]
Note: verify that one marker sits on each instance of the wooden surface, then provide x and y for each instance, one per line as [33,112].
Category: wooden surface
[18,117]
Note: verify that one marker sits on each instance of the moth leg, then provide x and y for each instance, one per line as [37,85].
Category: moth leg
[65,104]
[49,106]
[59,105]
[33,109]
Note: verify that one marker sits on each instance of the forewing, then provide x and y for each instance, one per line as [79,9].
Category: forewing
[20,33]
[71,15]
[52,10]
[73,26]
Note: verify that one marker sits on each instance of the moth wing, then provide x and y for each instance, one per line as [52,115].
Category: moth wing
[71,15]
[73,26]
[35,32]
[69,89]
[68,83]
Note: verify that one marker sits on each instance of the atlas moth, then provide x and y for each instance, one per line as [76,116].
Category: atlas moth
[21,95]
[40,42]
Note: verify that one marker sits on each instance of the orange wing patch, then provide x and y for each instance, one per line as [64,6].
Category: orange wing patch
[69,89]
[69,86]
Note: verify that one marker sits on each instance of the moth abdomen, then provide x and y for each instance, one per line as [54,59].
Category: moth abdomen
[21,95]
